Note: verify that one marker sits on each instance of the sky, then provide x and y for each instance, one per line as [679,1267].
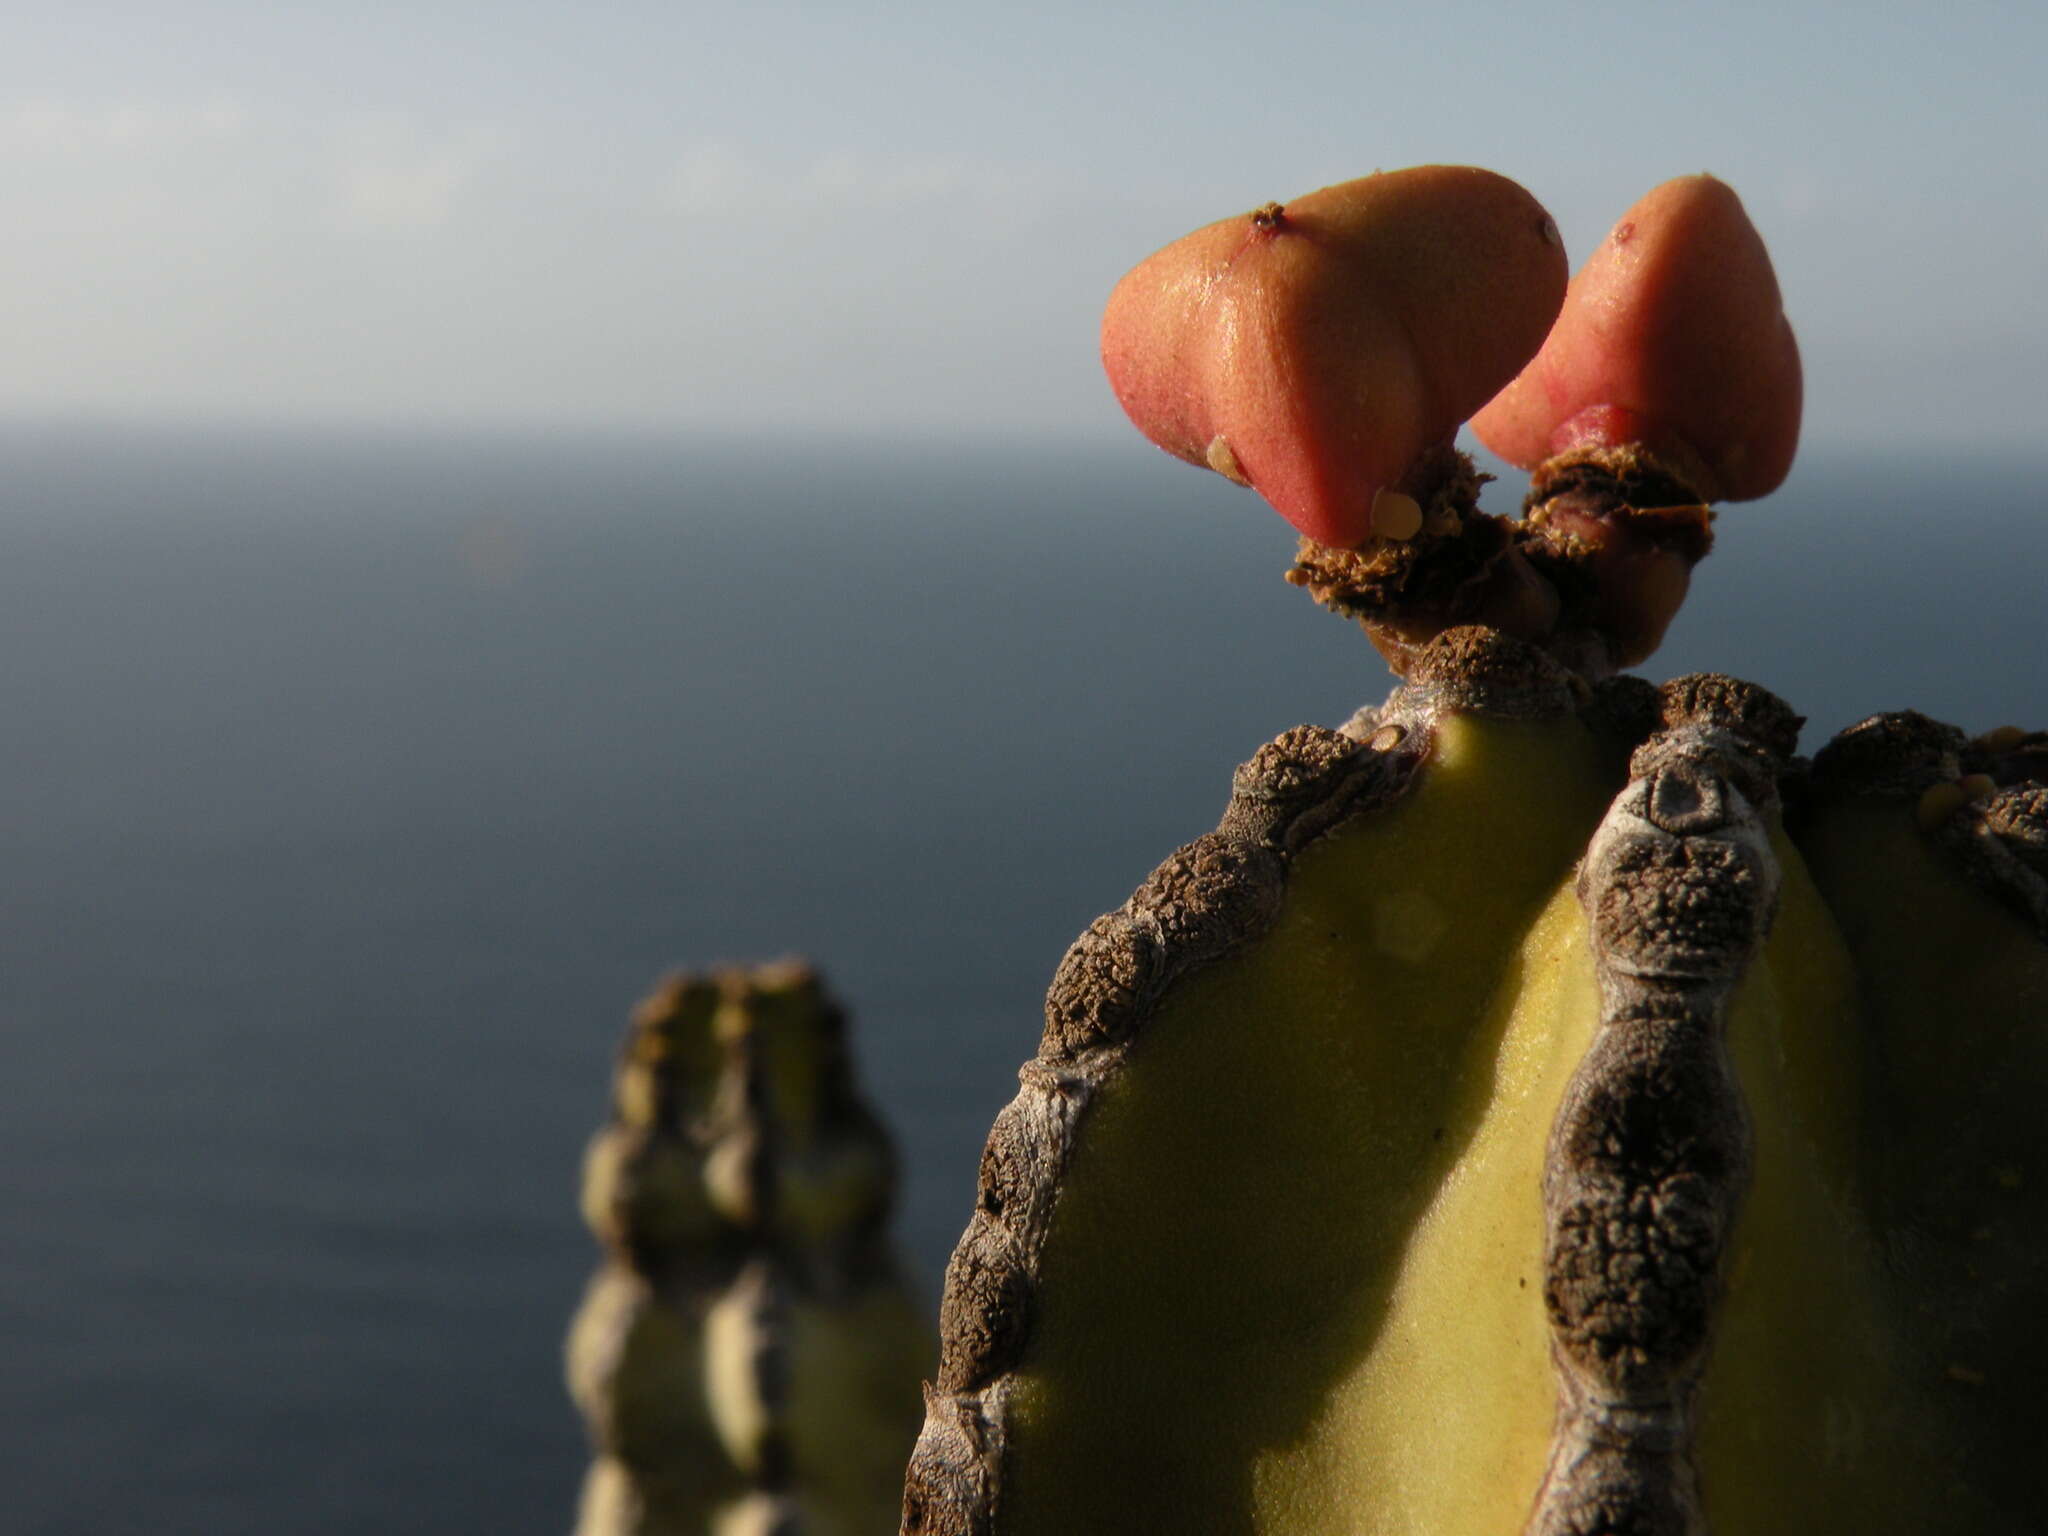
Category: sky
[903,219]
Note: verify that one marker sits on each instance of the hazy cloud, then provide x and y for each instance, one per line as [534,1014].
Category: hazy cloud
[55,126]
[392,176]
[1802,193]
[715,179]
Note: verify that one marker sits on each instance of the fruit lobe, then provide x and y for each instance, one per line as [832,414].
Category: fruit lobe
[1673,335]
[1315,350]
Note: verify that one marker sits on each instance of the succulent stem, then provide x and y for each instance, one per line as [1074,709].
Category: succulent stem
[747,1356]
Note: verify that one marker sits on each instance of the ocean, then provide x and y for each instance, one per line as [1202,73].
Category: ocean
[354,784]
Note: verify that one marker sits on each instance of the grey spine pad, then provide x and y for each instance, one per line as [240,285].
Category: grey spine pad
[1649,1155]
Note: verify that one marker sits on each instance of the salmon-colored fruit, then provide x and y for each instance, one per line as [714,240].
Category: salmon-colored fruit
[1673,335]
[1316,350]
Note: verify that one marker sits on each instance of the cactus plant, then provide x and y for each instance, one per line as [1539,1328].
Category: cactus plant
[1546,1103]
[747,1356]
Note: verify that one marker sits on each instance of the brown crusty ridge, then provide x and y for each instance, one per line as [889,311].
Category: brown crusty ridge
[1209,897]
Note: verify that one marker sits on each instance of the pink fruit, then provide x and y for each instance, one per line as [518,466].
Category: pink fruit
[1673,335]
[1315,351]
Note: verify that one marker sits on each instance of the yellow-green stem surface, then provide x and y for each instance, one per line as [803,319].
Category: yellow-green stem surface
[1302,1228]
